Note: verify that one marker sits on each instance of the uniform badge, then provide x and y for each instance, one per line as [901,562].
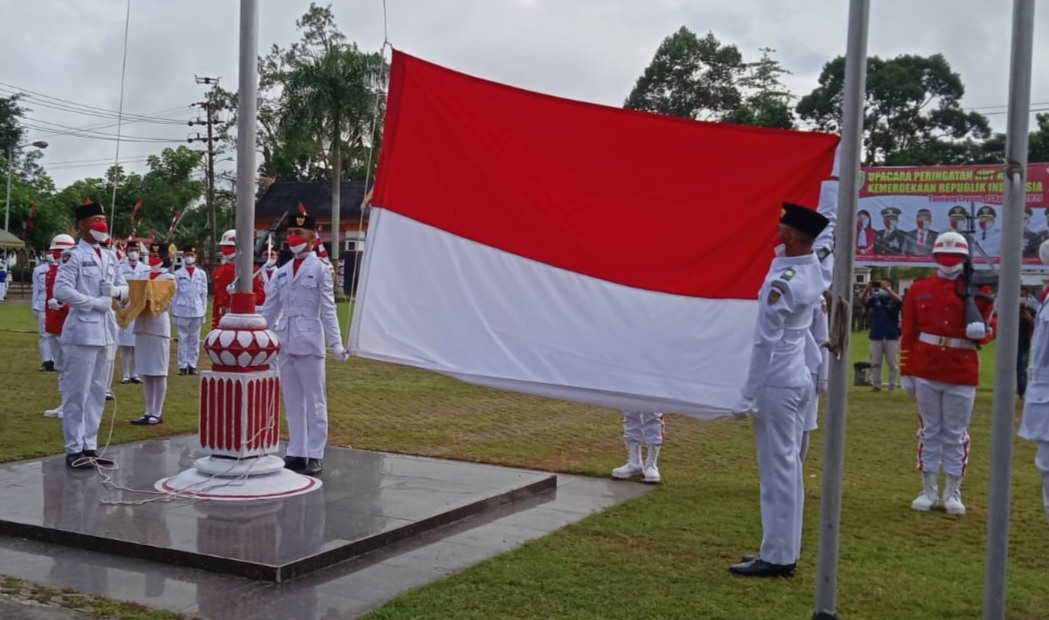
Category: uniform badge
[66,256]
[774,295]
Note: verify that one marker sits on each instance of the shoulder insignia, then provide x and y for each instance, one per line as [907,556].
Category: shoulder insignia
[66,256]
[774,296]
[788,274]
[823,253]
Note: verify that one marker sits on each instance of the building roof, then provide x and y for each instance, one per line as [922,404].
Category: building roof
[315,196]
[8,240]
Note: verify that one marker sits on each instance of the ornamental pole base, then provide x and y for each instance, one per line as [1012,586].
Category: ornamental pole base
[240,416]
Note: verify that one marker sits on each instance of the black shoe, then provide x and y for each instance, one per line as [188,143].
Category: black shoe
[748,558]
[295,463]
[146,420]
[313,467]
[48,366]
[760,568]
[136,379]
[109,395]
[125,381]
[77,461]
[96,459]
[191,371]
[183,371]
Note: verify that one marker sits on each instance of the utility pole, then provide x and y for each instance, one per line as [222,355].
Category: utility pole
[209,121]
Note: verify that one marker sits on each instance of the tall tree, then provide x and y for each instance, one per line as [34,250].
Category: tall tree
[912,114]
[690,77]
[766,101]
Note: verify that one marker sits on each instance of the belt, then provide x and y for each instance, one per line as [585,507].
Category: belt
[944,341]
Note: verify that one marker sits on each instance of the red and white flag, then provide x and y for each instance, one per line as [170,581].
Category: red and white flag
[134,210]
[572,250]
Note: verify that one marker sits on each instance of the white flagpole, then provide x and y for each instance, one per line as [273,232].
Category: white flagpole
[1008,315]
[841,320]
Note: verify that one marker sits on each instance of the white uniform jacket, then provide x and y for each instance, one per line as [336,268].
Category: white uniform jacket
[300,307]
[139,271]
[91,320]
[157,325]
[786,303]
[40,287]
[191,293]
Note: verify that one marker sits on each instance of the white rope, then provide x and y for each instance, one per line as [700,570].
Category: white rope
[120,114]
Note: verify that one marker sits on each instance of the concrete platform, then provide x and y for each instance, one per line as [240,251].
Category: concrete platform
[344,590]
[368,500]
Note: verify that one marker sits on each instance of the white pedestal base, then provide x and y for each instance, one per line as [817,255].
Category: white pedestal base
[194,483]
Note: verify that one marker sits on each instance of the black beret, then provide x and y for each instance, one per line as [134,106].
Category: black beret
[189,248]
[89,209]
[803,219]
[301,220]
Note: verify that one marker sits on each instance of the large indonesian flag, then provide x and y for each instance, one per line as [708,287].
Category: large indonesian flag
[572,250]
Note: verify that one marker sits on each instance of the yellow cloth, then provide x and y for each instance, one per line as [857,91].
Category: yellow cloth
[144,295]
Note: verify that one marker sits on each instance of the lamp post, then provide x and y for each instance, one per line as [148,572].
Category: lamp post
[40,144]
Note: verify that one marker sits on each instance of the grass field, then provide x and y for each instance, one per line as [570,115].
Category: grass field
[663,555]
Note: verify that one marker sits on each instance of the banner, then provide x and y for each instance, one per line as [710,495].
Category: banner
[903,209]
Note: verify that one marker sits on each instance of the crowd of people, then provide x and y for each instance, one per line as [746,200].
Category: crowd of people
[77,290]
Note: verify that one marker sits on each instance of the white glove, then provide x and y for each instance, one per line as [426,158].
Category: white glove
[53,304]
[821,386]
[976,331]
[108,290]
[102,304]
[836,168]
[341,353]
[229,288]
[907,385]
[743,408]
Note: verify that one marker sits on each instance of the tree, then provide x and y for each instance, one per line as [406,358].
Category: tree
[912,113]
[11,130]
[1038,142]
[767,101]
[690,77]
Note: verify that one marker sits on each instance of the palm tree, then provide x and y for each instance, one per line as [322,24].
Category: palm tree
[329,116]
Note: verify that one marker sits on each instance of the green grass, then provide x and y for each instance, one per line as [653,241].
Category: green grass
[663,555]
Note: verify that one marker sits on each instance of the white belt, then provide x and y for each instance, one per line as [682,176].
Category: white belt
[944,341]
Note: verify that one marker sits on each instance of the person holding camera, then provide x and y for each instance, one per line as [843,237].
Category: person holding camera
[885,305]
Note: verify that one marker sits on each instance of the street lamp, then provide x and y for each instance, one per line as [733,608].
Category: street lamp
[40,144]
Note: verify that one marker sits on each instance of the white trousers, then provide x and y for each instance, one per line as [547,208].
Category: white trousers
[127,362]
[777,433]
[944,410]
[888,350]
[302,380]
[188,329]
[45,342]
[83,394]
[3,291]
[1041,461]
[643,426]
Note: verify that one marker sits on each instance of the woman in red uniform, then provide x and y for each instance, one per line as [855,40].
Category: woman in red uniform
[940,367]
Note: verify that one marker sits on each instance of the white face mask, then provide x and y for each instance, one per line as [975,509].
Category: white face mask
[780,249]
[99,237]
[950,272]
[297,250]
[50,258]
[271,262]
[190,260]
[132,256]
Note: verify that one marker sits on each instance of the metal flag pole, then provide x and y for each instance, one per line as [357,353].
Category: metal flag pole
[844,251]
[246,128]
[1008,314]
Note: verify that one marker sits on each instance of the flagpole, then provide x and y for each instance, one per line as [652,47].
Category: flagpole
[246,128]
[1008,317]
[841,320]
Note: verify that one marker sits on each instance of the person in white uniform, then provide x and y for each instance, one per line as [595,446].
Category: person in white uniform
[269,270]
[641,428]
[55,313]
[188,308]
[3,281]
[1035,423]
[153,347]
[47,359]
[778,384]
[133,269]
[88,280]
[300,309]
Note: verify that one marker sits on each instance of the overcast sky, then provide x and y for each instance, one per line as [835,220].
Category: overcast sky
[592,50]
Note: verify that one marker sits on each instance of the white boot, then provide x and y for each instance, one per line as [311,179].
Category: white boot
[651,468]
[952,496]
[632,467]
[54,413]
[930,495]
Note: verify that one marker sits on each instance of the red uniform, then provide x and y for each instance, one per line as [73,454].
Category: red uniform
[53,319]
[223,277]
[934,308]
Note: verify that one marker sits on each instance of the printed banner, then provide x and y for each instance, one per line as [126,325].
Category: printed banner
[903,209]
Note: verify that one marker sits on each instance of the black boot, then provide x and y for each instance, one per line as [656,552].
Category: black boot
[295,463]
[313,467]
[760,568]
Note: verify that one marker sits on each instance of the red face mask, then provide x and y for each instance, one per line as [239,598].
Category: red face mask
[155,260]
[228,250]
[295,240]
[949,260]
[100,226]
[56,254]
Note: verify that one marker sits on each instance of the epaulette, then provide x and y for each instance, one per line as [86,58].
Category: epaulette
[788,274]
[824,252]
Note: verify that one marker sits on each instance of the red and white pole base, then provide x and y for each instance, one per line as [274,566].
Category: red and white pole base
[240,416]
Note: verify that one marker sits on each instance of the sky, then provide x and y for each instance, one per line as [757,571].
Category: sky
[591,50]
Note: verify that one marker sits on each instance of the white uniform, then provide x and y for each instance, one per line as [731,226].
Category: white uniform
[646,427]
[88,339]
[268,275]
[816,355]
[132,271]
[38,305]
[300,309]
[1035,424]
[780,383]
[188,308]
[153,352]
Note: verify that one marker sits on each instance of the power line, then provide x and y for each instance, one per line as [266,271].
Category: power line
[85,130]
[80,107]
